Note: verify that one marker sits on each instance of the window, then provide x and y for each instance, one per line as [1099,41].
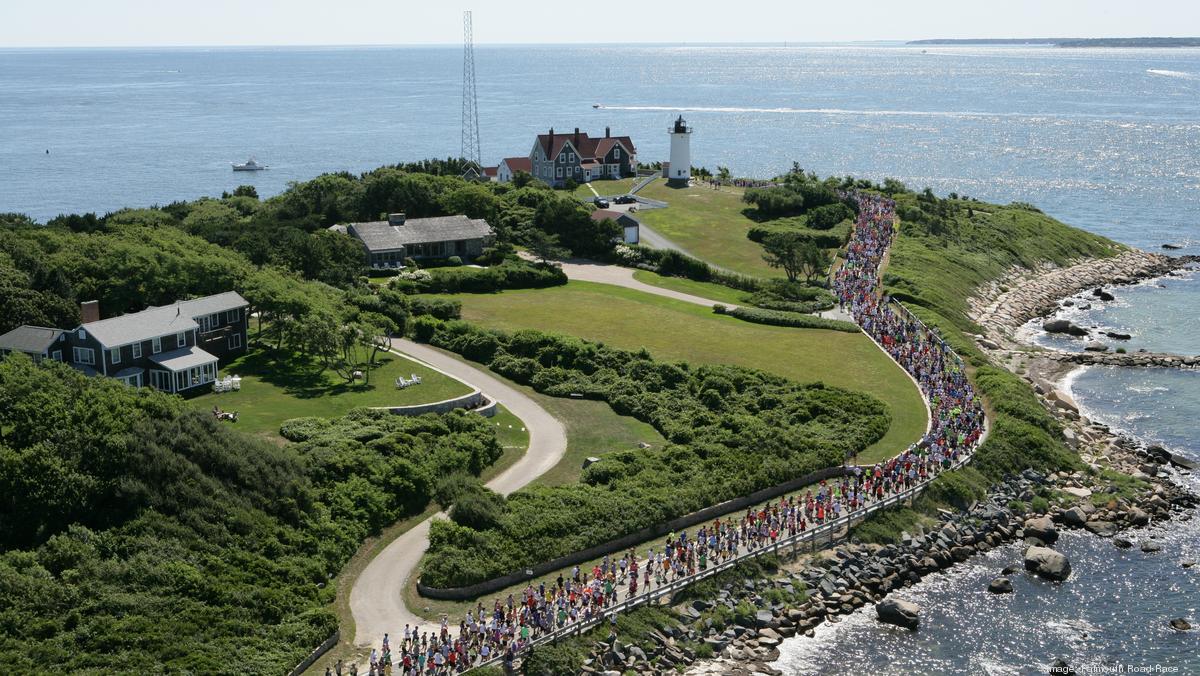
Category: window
[137,350]
[570,157]
[56,355]
[232,316]
[617,153]
[558,172]
[235,341]
[561,156]
[156,345]
[181,339]
[83,355]
[82,334]
[214,320]
[114,355]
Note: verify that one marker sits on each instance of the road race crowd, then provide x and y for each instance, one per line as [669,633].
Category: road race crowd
[506,627]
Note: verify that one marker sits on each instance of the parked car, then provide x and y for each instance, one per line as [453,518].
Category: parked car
[626,199]
[600,203]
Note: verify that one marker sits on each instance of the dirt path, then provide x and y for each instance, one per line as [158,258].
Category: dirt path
[376,601]
[602,273]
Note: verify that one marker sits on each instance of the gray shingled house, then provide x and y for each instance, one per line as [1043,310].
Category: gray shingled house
[172,348]
[388,243]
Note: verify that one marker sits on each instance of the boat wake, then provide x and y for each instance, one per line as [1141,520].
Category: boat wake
[1173,73]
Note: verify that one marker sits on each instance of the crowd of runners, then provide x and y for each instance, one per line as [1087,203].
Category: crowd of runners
[504,628]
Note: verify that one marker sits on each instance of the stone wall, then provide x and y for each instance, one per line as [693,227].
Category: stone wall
[316,654]
[475,400]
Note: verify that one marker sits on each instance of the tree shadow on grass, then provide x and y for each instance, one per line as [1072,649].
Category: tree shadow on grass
[299,376]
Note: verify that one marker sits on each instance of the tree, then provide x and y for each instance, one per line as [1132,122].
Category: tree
[814,261]
[723,174]
[782,250]
[545,246]
[376,332]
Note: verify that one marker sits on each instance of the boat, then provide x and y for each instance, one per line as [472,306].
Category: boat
[595,105]
[250,165]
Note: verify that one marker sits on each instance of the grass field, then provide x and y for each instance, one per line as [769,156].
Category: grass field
[606,187]
[276,388]
[675,330]
[715,292]
[708,224]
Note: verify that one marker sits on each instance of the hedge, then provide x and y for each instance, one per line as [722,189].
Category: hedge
[826,239]
[512,274]
[793,319]
[730,431]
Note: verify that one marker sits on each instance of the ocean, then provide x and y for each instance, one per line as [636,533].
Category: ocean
[1104,139]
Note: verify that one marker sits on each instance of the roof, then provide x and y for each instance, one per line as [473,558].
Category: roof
[516,164]
[382,236]
[161,321]
[587,147]
[183,358]
[30,339]
[489,171]
[618,216]
[129,371]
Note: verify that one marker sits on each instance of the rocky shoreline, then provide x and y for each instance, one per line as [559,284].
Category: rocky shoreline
[849,576]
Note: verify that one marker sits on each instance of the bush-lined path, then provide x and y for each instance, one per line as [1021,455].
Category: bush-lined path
[376,599]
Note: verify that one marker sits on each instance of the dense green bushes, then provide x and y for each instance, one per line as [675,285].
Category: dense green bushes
[731,431]
[834,238]
[672,263]
[792,297]
[139,535]
[512,274]
[793,319]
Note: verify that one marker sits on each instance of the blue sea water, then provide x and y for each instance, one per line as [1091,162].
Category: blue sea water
[1105,139]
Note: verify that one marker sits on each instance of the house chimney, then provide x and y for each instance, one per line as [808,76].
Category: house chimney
[607,132]
[551,144]
[396,219]
[89,311]
[577,138]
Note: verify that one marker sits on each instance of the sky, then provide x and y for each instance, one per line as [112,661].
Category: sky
[114,23]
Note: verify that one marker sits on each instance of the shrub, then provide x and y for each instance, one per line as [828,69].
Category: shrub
[302,429]
[511,274]
[454,261]
[792,319]
[479,509]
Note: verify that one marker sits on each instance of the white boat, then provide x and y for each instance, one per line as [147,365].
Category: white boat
[250,165]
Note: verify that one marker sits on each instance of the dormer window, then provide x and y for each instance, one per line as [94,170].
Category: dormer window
[181,339]
[81,334]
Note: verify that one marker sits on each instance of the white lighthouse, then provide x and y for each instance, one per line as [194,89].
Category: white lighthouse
[680,169]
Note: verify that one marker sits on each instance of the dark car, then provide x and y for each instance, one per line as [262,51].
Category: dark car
[625,199]
[601,203]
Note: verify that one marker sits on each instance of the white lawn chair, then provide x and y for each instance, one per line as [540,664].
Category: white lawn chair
[236,383]
[401,383]
[416,380]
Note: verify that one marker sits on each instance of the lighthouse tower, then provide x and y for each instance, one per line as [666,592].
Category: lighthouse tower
[680,169]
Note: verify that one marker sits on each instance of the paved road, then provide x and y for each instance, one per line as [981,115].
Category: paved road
[616,275]
[376,601]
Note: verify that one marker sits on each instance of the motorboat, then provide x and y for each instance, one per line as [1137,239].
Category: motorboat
[250,165]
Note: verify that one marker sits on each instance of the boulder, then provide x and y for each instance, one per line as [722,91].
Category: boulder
[1170,246]
[1047,563]
[989,344]
[1137,517]
[1093,346]
[1104,529]
[1063,326]
[900,613]
[1041,528]
[1180,624]
[1102,294]
[1150,547]
[1001,585]
[1122,543]
[1116,335]
[1075,517]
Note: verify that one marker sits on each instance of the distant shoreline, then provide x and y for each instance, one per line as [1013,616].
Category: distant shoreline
[1066,42]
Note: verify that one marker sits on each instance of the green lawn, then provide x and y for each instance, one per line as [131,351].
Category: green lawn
[275,389]
[677,330]
[714,292]
[605,187]
[708,224]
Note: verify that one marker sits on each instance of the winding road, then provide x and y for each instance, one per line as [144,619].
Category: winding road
[377,598]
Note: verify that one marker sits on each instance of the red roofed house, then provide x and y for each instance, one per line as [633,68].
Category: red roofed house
[509,166]
[558,157]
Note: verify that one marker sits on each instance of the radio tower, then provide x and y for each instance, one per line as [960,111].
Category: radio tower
[470,106]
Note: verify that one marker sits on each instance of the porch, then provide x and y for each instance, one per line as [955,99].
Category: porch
[182,369]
